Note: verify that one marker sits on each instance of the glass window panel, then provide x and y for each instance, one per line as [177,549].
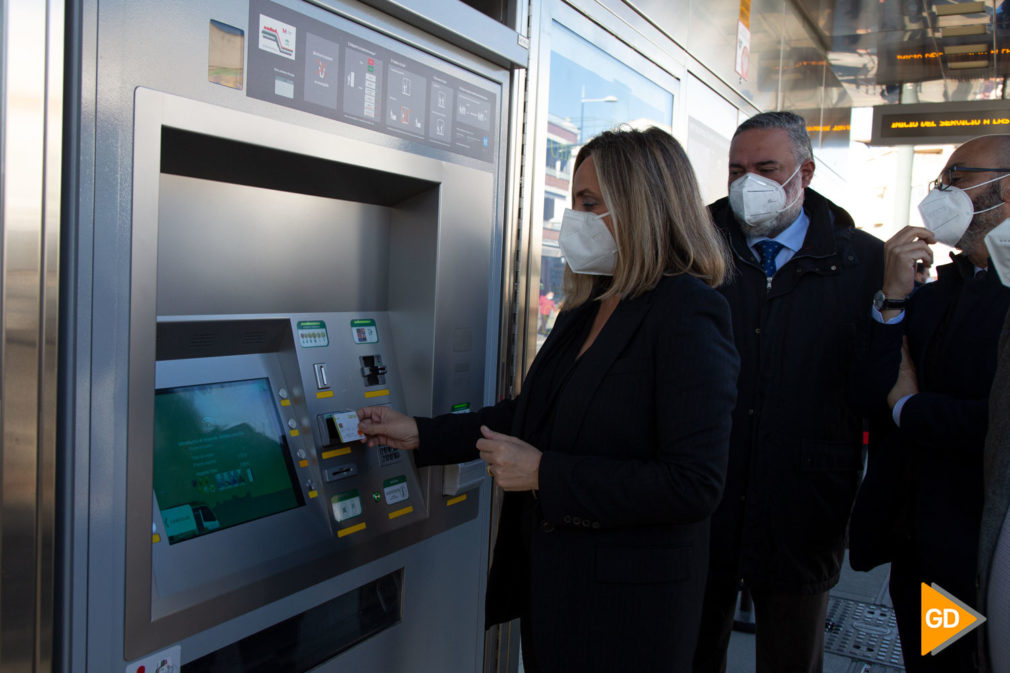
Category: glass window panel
[590,91]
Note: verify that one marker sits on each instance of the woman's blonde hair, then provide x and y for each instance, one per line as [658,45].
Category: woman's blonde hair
[661,225]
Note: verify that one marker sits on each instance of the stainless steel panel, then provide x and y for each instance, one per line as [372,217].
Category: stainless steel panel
[31,72]
[430,253]
[706,33]
[411,271]
[459,24]
[75,338]
[120,52]
[225,248]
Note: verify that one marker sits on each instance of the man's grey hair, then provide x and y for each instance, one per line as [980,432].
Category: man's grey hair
[791,123]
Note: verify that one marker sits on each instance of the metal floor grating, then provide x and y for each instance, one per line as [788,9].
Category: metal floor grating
[863,631]
[865,667]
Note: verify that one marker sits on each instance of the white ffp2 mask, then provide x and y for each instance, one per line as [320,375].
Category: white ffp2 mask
[948,212]
[997,243]
[757,200]
[587,244]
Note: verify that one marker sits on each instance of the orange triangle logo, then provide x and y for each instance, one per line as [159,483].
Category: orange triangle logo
[944,619]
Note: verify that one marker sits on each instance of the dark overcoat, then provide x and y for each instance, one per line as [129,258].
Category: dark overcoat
[796,447]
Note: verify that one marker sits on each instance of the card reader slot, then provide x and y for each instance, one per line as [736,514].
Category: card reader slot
[340,472]
[332,434]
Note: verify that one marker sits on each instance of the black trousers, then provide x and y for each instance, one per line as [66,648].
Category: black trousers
[789,635]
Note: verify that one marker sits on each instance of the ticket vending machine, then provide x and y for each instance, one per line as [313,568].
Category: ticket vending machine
[319,234]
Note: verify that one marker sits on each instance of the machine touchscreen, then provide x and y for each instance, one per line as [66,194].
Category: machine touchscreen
[220,457]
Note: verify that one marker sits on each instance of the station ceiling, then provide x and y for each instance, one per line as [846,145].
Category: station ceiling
[915,51]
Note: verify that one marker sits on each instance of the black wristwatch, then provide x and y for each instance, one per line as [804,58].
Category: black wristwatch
[882,303]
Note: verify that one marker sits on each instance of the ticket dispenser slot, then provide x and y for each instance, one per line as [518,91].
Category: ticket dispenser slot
[340,472]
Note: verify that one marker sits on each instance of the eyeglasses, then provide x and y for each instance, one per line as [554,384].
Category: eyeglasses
[944,182]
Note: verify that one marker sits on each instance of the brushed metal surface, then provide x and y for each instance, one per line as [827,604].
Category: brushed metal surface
[31,61]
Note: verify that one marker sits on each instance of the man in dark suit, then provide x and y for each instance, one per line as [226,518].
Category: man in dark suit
[930,361]
[803,282]
[994,532]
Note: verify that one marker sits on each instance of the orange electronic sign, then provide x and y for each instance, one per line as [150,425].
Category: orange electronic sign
[938,123]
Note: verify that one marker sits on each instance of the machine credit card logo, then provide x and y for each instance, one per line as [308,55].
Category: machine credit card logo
[945,619]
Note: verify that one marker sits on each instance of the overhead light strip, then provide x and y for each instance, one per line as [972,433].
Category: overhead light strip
[956,49]
[961,31]
[967,65]
[960,8]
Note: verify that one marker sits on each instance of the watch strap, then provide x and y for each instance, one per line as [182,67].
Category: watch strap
[882,303]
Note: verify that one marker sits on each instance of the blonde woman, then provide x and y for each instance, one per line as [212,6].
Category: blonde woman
[614,454]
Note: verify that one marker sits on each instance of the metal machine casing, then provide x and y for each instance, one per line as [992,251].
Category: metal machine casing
[378,226]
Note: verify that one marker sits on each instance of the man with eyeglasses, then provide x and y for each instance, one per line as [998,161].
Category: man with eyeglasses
[929,364]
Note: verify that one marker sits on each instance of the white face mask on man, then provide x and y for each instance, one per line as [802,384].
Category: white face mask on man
[948,212]
[587,244]
[758,201]
[997,243]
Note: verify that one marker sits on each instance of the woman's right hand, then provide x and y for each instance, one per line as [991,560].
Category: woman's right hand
[386,426]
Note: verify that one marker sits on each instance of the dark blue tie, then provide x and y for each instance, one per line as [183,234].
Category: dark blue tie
[768,251]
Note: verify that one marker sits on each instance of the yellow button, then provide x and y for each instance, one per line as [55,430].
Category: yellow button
[322,394]
[377,393]
[313,494]
[303,463]
[155,539]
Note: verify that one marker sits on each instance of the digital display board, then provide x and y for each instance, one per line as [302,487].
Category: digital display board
[220,457]
[939,123]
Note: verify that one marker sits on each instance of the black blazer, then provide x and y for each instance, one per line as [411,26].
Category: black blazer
[618,538]
[953,328]
[996,466]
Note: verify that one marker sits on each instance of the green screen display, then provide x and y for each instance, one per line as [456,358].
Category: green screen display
[220,457]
